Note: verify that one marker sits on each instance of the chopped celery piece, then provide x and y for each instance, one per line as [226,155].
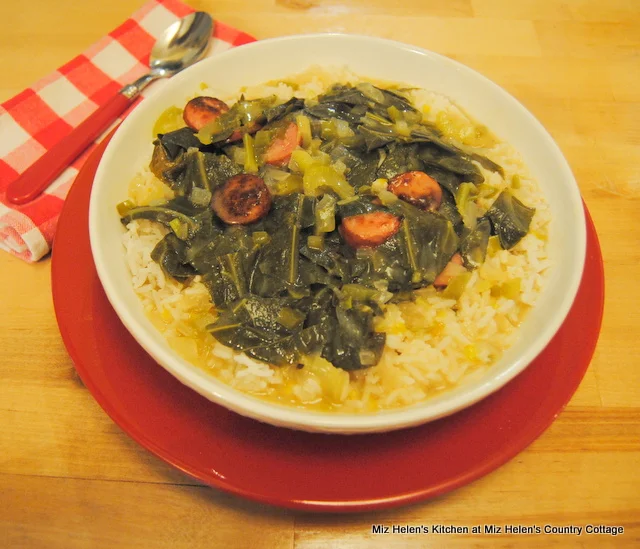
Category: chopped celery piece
[321,157]
[379,185]
[456,287]
[315,242]
[251,111]
[348,200]
[297,292]
[379,188]
[381,285]
[403,119]
[370,91]
[125,206]
[382,297]
[402,128]
[260,238]
[327,129]
[290,318]
[334,128]
[300,161]
[394,113]
[340,167]
[209,130]
[343,129]
[459,127]
[326,214]
[466,192]
[273,175]
[465,201]
[515,181]
[318,179]
[304,128]
[180,229]
[250,163]
[358,292]
[387,198]
[169,121]
[289,185]
[316,143]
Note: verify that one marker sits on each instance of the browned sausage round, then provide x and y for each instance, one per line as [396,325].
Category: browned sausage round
[370,229]
[450,271]
[201,110]
[417,188]
[243,199]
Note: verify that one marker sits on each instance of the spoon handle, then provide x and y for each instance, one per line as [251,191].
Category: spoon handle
[41,174]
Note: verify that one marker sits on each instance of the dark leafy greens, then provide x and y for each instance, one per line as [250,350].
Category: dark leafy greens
[288,285]
[510,219]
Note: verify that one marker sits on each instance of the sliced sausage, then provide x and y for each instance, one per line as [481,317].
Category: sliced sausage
[243,199]
[370,229]
[418,189]
[279,151]
[201,110]
[451,270]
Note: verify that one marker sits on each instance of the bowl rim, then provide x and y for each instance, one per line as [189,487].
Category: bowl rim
[246,404]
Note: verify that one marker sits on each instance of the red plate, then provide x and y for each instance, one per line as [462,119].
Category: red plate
[290,468]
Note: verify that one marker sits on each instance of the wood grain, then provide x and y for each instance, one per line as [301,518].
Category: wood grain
[70,478]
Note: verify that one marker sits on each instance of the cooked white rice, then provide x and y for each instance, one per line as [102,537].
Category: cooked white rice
[432,343]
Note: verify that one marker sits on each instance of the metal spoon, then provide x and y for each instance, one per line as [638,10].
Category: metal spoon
[181,45]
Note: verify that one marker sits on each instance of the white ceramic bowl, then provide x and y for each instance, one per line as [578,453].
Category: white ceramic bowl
[130,149]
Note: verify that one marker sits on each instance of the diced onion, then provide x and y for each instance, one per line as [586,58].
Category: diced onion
[367,357]
[200,197]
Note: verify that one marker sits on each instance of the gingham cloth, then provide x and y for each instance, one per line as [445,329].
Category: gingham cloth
[36,119]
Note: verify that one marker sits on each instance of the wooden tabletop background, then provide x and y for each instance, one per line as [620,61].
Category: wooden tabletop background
[70,478]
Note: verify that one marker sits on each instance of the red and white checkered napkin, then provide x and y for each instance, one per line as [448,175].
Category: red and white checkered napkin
[36,119]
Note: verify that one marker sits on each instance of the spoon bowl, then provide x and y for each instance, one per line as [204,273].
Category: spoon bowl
[182,44]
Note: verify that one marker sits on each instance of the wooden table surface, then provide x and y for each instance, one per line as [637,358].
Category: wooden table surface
[69,477]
